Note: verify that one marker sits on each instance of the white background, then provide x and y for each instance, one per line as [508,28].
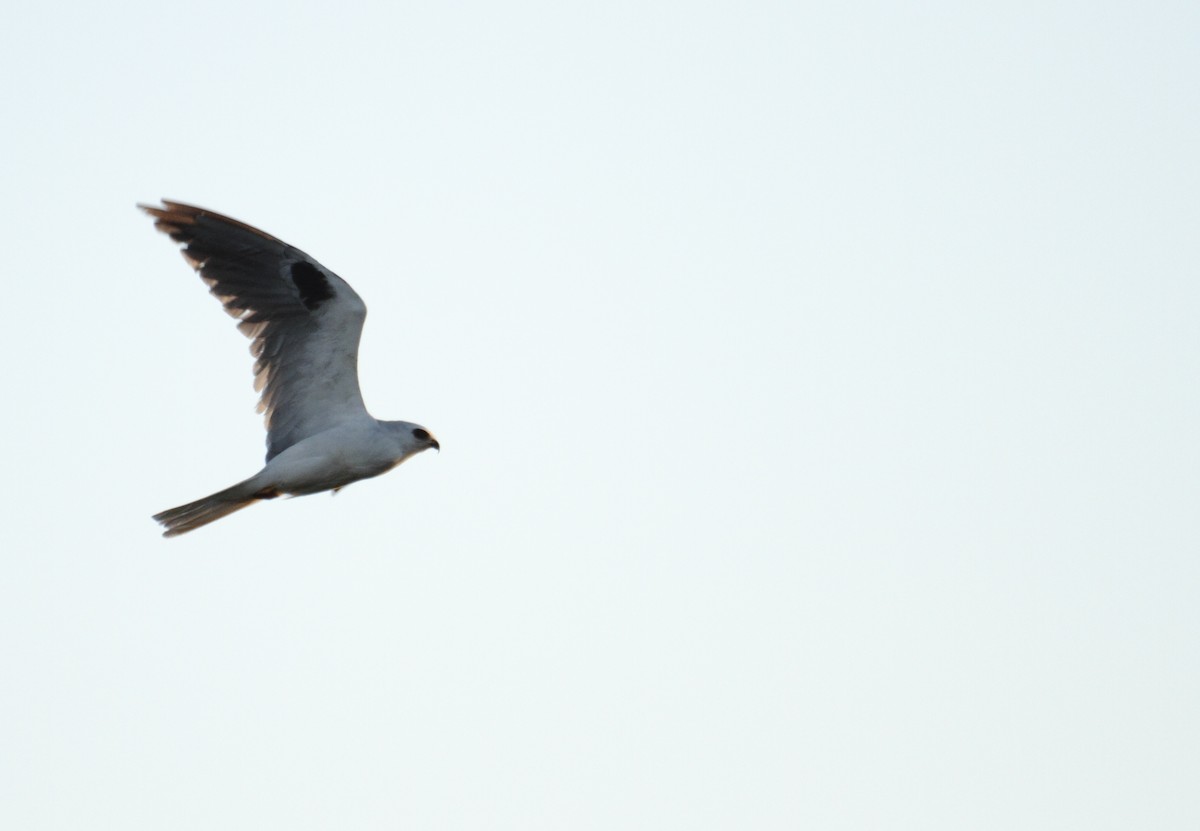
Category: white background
[817,385]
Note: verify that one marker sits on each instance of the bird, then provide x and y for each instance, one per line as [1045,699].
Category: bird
[304,323]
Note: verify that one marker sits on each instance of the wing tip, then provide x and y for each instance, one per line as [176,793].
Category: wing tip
[173,217]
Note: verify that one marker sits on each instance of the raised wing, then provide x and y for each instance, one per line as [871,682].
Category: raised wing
[304,320]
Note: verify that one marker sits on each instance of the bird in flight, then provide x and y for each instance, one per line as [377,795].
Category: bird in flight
[305,323]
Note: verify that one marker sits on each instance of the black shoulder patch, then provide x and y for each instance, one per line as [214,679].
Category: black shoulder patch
[314,288]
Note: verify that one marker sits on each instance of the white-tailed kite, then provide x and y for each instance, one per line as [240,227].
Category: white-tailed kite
[305,323]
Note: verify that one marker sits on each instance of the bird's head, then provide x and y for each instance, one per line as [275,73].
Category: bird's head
[412,438]
[425,439]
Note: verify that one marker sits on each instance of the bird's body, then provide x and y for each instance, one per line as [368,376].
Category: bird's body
[305,323]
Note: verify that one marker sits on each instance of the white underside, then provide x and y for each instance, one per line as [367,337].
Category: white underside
[354,450]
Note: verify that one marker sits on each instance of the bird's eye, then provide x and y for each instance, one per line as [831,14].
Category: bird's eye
[421,433]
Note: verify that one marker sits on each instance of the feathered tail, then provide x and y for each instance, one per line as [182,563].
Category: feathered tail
[191,516]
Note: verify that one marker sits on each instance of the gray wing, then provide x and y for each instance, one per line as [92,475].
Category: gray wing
[304,320]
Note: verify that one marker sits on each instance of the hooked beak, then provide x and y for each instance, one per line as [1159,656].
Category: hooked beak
[434,444]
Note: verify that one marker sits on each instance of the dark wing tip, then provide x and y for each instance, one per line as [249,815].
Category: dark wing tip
[173,217]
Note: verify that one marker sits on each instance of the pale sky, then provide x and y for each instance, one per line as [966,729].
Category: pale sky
[816,383]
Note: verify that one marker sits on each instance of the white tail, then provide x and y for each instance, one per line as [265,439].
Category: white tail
[191,516]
